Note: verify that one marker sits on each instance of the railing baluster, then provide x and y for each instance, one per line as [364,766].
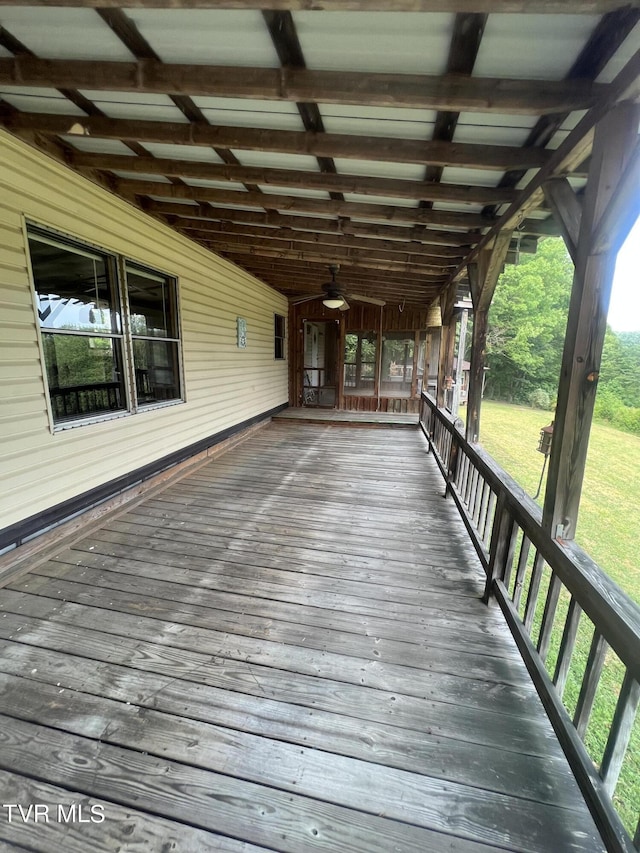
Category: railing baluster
[620,733]
[473,497]
[550,607]
[490,513]
[461,477]
[593,671]
[477,494]
[534,590]
[521,570]
[481,505]
[469,484]
[503,536]
[567,645]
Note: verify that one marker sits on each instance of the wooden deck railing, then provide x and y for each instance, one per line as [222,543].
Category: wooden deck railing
[551,594]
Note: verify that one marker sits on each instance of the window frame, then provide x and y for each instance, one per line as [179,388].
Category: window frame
[146,271]
[115,265]
[358,390]
[279,339]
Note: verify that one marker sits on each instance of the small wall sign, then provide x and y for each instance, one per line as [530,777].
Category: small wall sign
[241,325]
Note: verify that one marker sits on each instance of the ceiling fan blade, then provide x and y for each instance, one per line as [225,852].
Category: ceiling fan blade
[371,299]
[345,305]
[302,299]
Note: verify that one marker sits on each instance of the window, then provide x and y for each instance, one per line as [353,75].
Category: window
[154,335]
[279,327]
[360,356]
[91,347]
[397,364]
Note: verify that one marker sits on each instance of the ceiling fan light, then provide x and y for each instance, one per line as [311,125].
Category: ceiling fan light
[333,300]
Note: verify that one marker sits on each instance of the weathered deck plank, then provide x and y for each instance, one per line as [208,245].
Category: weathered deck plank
[286,650]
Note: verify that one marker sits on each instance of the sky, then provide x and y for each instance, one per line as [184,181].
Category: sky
[624,308]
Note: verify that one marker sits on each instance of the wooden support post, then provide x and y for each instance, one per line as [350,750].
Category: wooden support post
[476,374]
[445,366]
[483,278]
[447,341]
[613,147]
[462,343]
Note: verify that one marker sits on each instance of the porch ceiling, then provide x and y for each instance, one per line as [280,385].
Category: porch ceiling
[288,135]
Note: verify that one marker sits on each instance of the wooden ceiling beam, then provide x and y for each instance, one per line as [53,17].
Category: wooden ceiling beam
[388,149]
[318,268]
[195,229]
[205,214]
[417,91]
[397,188]
[230,242]
[310,283]
[273,201]
[364,260]
[546,7]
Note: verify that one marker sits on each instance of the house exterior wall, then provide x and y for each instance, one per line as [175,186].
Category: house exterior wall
[223,384]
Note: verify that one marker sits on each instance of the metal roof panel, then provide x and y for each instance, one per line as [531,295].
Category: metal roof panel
[63,33]
[380,169]
[249,112]
[97,146]
[275,160]
[131,105]
[541,47]
[31,99]
[378,121]
[409,43]
[207,36]
[195,153]
[470,177]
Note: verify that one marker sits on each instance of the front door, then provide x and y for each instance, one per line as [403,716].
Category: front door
[319,372]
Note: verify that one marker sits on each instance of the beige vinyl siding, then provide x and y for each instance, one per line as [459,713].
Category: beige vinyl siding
[223,384]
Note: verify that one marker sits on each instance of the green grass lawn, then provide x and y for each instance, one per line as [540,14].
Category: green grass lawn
[608,531]
[610,506]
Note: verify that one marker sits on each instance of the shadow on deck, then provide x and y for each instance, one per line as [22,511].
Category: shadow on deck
[286,650]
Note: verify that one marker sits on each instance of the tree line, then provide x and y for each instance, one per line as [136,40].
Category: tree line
[525,338]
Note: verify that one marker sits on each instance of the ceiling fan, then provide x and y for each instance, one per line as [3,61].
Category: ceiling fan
[333,296]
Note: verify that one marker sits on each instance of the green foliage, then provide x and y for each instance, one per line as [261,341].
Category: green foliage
[527,322]
[539,399]
[525,339]
[610,408]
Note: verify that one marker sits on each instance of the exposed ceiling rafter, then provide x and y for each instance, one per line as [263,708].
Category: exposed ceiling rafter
[398,188]
[449,92]
[389,149]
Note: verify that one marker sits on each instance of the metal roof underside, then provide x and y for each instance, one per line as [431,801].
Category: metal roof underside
[392,137]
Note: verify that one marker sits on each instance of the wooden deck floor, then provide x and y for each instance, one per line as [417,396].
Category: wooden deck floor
[286,651]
